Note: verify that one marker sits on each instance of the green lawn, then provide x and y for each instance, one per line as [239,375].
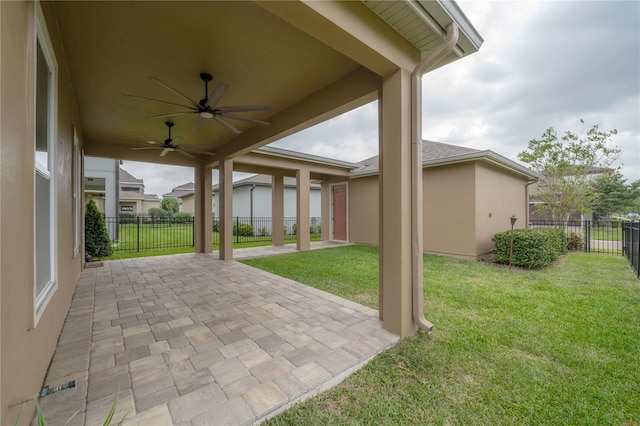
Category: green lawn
[555,346]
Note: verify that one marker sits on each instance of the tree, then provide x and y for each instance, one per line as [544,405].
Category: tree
[170,205]
[96,236]
[565,164]
[611,194]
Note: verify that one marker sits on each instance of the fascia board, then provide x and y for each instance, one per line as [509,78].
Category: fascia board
[488,156]
[443,12]
[292,155]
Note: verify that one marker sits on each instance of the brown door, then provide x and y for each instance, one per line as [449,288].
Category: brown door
[339,197]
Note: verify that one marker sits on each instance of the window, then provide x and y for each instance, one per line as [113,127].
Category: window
[44,203]
[77,207]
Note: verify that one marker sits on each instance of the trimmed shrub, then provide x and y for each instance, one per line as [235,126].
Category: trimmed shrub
[157,212]
[242,230]
[181,218]
[574,242]
[532,248]
[215,226]
[96,236]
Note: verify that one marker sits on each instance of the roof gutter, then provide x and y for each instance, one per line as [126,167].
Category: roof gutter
[416,173]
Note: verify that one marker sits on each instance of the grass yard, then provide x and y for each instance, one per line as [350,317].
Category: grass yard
[556,346]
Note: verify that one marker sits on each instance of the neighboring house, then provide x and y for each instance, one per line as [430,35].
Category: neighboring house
[101,184]
[535,201]
[180,191]
[252,197]
[468,196]
[132,200]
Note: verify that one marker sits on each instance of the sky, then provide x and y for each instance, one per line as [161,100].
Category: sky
[543,64]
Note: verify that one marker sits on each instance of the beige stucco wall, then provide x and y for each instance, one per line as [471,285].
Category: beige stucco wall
[464,206]
[188,204]
[363,215]
[26,351]
[499,195]
[449,210]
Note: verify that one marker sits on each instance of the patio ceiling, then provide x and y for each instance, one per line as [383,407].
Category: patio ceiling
[307,61]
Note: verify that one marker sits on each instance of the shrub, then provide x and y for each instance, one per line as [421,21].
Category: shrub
[96,236]
[574,242]
[215,226]
[157,212]
[263,231]
[181,218]
[532,248]
[242,230]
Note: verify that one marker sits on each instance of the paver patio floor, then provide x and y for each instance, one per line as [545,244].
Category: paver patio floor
[192,340]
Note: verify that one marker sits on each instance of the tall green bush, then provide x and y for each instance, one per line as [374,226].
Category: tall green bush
[532,248]
[96,236]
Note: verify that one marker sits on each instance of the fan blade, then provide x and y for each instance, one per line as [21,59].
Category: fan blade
[180,151]
[227,125]
[146,138]
[217,94]
[146,147]
[197,152]
[239,117]
[172,114]
[183,96]
[199,122]
[157,100]
[166,151]
[244,108]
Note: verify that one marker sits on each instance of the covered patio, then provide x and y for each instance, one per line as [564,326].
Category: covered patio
[115,80]
[190,339]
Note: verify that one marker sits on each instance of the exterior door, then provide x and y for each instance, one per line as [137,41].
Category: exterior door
[339,213]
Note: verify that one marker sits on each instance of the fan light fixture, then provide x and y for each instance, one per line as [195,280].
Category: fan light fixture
[206,114]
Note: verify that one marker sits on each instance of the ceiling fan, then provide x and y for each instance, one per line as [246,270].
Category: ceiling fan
[168,145]
[207,107]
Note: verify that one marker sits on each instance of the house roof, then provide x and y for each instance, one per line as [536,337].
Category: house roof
[126,177]
[439,154]
[180,190]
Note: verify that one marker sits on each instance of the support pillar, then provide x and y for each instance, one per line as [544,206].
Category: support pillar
[395,204]
[303,182]
[203,212]
[226,208]
[325,209]
[277,210]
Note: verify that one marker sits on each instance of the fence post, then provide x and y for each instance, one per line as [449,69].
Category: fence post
[138,234]
[237,230]
[193,231]
[587,238]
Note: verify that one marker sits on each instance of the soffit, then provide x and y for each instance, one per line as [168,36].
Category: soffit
[113,47]
[292,56]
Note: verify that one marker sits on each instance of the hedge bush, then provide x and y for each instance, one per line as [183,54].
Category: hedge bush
[181,218]
[574,242]
[532,248]
[243,229]
[96,237]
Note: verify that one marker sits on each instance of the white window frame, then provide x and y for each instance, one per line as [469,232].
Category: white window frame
[42,299]
[77,190]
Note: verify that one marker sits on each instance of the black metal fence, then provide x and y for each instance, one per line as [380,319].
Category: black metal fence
[148,233]
[631,244]
[589,236]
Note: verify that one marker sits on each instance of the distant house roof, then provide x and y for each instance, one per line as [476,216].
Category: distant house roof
[181,190]
[264,180]
[438,153]
[126,177]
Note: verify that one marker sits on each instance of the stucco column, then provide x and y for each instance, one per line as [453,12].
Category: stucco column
[303,181]
[202,209]
[226,209]
[277,210]
[325,206]
[395,204]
